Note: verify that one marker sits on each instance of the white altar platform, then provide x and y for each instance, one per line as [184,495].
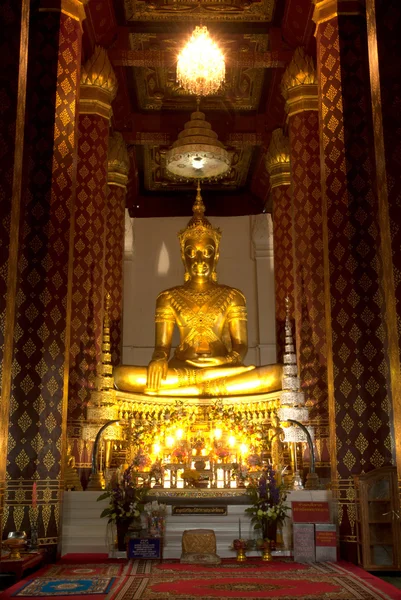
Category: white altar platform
[84,531]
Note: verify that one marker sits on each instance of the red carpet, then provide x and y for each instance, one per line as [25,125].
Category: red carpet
[80,576]
[253,579]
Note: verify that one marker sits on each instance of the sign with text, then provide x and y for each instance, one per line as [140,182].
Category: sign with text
[310,512]
[200,510]
[145,548]
[326,542]
[304,542]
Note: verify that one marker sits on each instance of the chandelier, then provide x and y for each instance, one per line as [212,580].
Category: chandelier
[200,66]
[197,153]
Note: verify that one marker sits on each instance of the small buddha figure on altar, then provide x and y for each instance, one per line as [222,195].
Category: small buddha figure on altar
[71,478]
[212,321]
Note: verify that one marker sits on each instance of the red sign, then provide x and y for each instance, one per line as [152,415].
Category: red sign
[326,538]
[310,512]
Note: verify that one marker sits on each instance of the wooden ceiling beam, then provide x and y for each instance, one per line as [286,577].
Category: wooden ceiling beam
[235,59]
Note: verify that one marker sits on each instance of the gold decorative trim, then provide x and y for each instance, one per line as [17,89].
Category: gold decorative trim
[278,160]
[300,71]
[302,98]
[72,8]
[98,80]
[13,245]
[325,10]
[385,231]
[118,161]
[94,101]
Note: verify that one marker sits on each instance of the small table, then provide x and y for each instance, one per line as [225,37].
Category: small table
[28,560]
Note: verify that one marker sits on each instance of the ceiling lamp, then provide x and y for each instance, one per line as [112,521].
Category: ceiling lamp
[200,66]
[197,153]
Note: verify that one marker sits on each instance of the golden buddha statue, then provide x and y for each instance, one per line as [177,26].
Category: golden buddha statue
[212,322]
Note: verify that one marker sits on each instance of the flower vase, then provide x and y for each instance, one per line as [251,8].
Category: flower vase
[267,555]
[241,556]
[122,529]
[269,531]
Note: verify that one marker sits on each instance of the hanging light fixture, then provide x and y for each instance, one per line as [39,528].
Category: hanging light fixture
[197,153]
[200,66]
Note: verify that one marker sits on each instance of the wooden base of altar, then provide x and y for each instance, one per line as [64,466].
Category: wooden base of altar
[85,532]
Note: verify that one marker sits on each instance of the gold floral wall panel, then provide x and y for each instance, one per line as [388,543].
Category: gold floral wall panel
[283,261]
[185,10]
[41,343]
[358,366]
[88,268]
[308,266]
[114,262]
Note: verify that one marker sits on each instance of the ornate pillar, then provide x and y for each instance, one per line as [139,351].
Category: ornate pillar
[97,90]
[13,92]
[262,241]
[278,166]
[360,399]
[40,271]
[300,90]
[384,22]
[117,178]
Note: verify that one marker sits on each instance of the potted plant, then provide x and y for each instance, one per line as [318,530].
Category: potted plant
[268,508]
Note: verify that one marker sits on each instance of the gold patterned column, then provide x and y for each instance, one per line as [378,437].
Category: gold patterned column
[39,330]
[300,90]
[360,399]
[278,167]
[117,179]
[384,21]
[98,89]
[13,93]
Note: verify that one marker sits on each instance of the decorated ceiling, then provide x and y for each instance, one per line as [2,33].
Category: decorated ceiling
[143,39]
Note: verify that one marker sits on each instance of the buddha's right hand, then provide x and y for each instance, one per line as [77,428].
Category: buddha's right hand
[157,370]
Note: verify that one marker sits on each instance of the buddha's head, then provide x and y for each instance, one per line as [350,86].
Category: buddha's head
[200,244]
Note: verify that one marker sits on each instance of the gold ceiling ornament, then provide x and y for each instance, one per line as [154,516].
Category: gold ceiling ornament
[197,153]
[201,68]
[278,159]
[299,84]
[118,161]
[98,84]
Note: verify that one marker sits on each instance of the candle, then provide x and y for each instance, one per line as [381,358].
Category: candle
[34,495]
[239,529]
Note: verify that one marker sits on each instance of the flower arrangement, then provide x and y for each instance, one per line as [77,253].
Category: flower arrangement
[156,472]
[221,451]
[268,504]
[125,500]
[140,462]
[180,452]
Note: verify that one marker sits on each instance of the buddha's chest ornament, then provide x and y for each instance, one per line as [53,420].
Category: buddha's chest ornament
[201,314]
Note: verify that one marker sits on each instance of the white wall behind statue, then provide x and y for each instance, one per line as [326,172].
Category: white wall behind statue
[153,263]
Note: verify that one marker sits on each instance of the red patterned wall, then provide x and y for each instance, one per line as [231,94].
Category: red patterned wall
[358,365]
[114,266]
[283,261]
[37,403]
[89,257]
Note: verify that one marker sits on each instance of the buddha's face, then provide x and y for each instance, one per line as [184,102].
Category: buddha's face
[200,257]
